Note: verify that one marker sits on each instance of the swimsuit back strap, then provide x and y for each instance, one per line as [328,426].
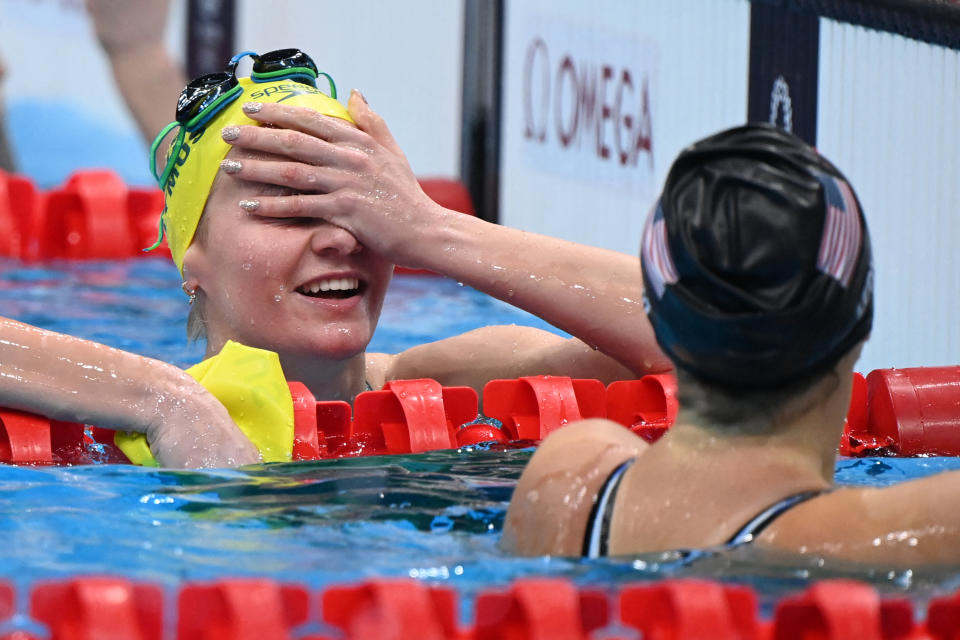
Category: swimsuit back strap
[597,536]
[763,519]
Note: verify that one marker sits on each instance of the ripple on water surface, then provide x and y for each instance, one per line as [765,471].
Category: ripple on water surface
[433,516]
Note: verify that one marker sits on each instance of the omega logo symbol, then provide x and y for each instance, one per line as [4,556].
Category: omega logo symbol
[780,102]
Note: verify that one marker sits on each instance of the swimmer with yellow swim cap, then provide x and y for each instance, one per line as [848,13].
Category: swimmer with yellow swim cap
[285,214]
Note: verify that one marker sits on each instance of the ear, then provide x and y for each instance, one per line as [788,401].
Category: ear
[195,267]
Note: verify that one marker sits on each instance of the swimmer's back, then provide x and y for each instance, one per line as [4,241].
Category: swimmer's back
[660,505]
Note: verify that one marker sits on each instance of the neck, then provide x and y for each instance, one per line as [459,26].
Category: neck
[328,379]
[804,441]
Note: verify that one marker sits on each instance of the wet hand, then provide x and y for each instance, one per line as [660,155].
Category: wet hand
[354,177]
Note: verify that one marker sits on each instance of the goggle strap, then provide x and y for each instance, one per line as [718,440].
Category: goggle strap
[266,76]
[235,60]
[333,87]
[172,159]
[153,148]
[213,109]
[160,230]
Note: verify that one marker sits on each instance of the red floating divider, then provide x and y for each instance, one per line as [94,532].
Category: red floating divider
[411,416]
[306,441]
[647,406]
[943,618]
[241,609]
[86,218]
[6,601]
[24,438]
[99,609]
[540,609]
[334,425]
[471,434]
[917,410]
[531,408]
[690,610]
[18,207]
[839,610]
[391,609]
[857,439]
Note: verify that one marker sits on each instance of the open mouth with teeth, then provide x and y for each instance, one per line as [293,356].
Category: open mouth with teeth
[332,288]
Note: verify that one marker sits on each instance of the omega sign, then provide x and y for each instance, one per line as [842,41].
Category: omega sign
[586,104]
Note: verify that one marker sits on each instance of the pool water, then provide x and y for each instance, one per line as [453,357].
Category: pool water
[433,516]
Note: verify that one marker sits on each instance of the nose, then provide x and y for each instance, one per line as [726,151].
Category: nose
[328,238]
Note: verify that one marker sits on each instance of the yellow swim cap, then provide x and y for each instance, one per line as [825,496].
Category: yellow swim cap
[199,158]
[250,383]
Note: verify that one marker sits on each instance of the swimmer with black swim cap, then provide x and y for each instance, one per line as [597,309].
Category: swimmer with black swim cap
[758,283]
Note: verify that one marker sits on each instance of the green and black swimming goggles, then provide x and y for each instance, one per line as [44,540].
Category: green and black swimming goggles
[204,97]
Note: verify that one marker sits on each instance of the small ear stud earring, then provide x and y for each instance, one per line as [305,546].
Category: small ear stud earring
[191,293]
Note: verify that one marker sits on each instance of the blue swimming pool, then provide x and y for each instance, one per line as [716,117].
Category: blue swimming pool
[433,516]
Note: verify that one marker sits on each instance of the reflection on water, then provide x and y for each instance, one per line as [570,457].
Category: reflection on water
[434,516]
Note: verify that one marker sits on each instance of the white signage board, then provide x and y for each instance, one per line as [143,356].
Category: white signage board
[598,99]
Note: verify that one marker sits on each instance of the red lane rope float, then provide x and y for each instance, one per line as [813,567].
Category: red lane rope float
[95,608]
[683,609]
[842,609]
[540,609]
[392,609]
[99,607]
[530,408]
[241,609]
[908,412]
[899,412]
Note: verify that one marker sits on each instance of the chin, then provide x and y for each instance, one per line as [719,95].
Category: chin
[341,348]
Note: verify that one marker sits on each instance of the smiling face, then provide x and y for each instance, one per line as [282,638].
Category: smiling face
[299,286]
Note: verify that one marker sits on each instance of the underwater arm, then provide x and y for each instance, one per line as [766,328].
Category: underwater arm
[361,181]
[66,378]
[131,34]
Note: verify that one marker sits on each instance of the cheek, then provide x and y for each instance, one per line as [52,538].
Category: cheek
[249,273]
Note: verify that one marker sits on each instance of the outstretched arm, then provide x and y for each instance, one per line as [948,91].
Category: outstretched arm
[360,180]
[131,34]
[66,378]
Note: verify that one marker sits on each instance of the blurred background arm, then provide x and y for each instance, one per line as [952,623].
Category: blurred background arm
[131,33]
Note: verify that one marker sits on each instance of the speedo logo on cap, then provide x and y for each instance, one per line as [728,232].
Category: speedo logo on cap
[842,231]
[655,253]
[291,88]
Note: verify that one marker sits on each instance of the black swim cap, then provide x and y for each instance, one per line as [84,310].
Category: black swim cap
[756,261]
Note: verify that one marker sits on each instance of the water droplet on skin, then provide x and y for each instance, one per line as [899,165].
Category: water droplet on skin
[247,266]
[277,298]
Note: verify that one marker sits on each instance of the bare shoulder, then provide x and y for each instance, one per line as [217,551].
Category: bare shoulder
[907,523]
[552,501]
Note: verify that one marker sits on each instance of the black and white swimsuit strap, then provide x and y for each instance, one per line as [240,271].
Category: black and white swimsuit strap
[762,520]
[597,536]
